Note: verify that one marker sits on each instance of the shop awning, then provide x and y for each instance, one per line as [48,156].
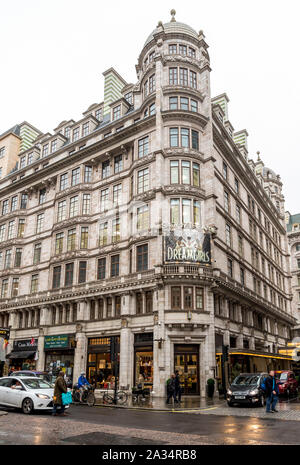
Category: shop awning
[20,354]
[254,353]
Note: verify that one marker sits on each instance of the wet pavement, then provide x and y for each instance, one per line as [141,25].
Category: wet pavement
[110,426]
[159,403]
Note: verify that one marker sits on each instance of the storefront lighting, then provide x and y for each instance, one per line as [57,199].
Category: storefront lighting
[160,342]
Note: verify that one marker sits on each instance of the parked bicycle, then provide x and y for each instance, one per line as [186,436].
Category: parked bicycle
[88,396]
[140,394]
[109,398]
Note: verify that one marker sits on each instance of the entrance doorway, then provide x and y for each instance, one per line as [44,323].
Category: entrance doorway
[186,361]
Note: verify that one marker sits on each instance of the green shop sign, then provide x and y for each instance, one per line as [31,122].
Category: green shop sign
[58,341]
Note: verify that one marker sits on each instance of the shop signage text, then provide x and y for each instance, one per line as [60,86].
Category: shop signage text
[26,344]
[57,342]
[4,333]
[187,245]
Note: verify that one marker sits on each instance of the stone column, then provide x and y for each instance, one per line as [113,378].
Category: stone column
[31,318]
[45,316]
[12,322]
[143,302]
[113,306]
[64,319]
[207,347]
[56,314]
[226,338]
[104,308]
[126,355]
[161,347]
[81,310]
[40,364]
[240,341]
[96,309]
[71,312]
[252,343]
[80,352]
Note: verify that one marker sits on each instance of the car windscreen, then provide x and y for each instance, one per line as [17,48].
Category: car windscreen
[281,376]
[36,384]
[246,380]
[48,378]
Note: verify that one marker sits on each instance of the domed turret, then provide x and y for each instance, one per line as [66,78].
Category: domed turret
[173,27]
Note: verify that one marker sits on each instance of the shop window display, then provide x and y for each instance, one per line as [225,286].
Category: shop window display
[100,368]
[144,368]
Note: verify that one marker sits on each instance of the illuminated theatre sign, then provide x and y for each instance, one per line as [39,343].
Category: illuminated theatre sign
[187,245]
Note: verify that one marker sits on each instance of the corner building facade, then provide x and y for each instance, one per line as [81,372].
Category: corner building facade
[104,239]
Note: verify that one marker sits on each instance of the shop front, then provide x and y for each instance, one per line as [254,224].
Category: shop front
[23,355]
[250,361]
[59,354]
[143,360]
[186,362]
[100,369]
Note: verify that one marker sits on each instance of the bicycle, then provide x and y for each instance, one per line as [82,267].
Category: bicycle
[140,394]
[109,398]
[88,396]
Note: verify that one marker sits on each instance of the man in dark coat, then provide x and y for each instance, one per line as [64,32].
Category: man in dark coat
[272,392]
[177,387]
[171,388]
[59,387]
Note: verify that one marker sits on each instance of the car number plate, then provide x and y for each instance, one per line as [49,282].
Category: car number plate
[240,397]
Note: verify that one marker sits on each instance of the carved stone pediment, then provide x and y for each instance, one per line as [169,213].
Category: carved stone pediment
[72,222]
[74,189]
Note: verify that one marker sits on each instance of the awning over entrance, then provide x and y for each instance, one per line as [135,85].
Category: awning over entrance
[255,353]
[25,354]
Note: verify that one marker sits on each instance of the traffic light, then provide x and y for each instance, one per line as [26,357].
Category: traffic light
[225,353]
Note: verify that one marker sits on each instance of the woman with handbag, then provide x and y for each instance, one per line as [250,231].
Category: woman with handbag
[59,388]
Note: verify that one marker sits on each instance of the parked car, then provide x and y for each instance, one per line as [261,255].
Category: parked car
[38,374]
[246,389]
[287,382]
[27,393]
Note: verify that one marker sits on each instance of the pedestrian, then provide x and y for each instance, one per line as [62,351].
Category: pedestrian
[272,392]
[171,388]
[177,387]
[59,387]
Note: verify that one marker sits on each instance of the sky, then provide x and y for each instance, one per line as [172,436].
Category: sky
[53,54]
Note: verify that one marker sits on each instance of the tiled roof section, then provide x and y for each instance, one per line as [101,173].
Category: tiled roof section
[294,219]
[14,130]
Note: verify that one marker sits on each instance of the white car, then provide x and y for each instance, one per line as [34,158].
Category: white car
[28,393]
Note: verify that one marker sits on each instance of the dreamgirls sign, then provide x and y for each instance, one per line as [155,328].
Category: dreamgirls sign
[187,245]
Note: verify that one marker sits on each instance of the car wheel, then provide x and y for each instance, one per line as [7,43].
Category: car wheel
[27,406]
[288,393]
[230,404]
[261,401]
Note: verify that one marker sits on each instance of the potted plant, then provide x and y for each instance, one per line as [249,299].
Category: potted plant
[210,387]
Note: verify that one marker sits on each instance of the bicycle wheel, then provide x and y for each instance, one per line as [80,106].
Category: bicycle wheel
[121,397]
[107,399]
[90,399]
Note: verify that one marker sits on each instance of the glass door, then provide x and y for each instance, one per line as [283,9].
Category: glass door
[187,365]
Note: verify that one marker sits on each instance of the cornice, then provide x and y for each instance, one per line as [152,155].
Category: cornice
[171,115]
[182,90]
[74,189]
[182,152]
[179,189]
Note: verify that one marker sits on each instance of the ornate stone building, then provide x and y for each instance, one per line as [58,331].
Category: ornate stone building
[293,232]
[146,221]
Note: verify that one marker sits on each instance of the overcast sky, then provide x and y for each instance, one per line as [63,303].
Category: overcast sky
[53,53]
